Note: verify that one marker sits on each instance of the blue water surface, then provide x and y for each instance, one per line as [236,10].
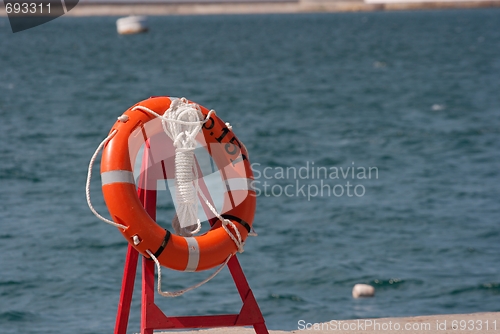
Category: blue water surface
[412,95]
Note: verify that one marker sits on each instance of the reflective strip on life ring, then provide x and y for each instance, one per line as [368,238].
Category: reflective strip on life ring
[120,194]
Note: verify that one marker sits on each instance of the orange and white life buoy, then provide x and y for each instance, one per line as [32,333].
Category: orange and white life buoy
[195,253]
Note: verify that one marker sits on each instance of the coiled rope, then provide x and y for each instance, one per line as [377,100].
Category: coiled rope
[182,122]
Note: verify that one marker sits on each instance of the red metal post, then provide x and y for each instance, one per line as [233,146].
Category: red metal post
[129,272]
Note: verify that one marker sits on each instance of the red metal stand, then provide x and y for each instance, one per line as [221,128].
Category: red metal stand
[151,316]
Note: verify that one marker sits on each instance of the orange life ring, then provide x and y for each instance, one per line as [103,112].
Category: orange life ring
[120,194]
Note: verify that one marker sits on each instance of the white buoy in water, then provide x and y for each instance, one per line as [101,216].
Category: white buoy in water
[363,290]
[132,25]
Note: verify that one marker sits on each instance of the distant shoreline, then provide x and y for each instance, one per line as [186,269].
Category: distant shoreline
[203,7]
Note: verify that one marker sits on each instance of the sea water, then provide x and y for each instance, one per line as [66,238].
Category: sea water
[374,139]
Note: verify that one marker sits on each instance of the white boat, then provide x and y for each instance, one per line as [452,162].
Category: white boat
[132,25]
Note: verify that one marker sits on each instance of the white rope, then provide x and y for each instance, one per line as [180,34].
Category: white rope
[184,137]
[181,292]
[238,240]
[182,122]
[89,177]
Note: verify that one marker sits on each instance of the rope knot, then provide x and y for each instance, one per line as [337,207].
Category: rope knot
[182,122]
[238,241]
